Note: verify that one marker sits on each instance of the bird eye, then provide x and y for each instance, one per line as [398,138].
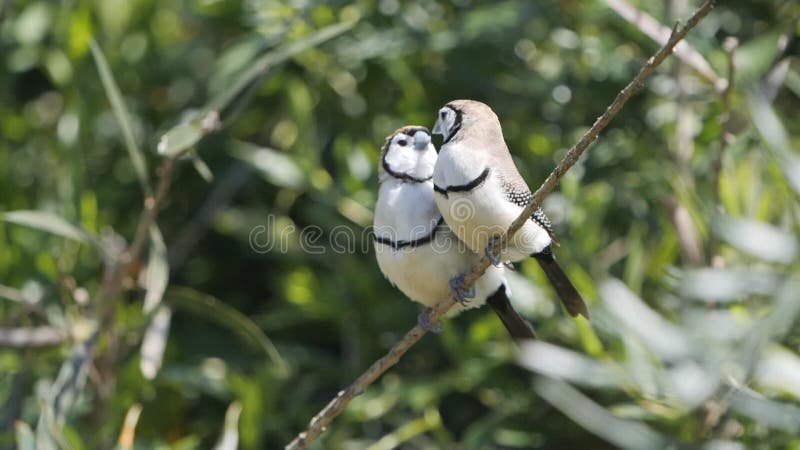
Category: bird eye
[402,142]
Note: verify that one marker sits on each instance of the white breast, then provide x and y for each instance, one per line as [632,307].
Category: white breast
[483,212]
[407,211]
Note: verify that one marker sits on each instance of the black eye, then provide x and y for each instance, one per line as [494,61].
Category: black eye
[442,114]
[402,142]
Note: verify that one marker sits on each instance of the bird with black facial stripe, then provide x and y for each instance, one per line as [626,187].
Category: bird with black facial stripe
[415,249]
[475,167]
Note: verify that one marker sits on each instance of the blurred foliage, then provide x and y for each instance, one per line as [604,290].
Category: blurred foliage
[268,311]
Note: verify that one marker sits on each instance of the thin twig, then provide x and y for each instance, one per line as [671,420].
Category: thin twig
[653,29]
[320,421]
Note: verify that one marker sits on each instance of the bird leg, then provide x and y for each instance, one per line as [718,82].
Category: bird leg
[459,291]
[425,323]
[490,253]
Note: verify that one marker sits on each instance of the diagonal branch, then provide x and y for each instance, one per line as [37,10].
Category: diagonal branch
[320,421]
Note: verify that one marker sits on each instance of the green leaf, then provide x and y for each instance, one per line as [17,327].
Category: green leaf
[202,169]
[230,433]
[759,239]
[154,343]
[51,223]
[25,437]
[157,271]
[263,64]
[180,138]
[596,419]
[629,310]
[213,309]
[276,167]
[123,118]
[557,362]
[726,285]
[775,138]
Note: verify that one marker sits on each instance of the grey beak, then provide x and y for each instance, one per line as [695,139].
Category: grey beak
[421,140]
[437,127]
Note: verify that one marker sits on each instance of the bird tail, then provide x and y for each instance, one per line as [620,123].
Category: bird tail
[566,291]
[517,327]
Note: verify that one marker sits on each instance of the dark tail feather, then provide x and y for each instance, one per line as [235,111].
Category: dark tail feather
[566,291]
[517,327]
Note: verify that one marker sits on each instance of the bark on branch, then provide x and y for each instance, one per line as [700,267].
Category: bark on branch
[321,420]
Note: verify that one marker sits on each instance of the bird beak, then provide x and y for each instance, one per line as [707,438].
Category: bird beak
[437,127]
[421,140]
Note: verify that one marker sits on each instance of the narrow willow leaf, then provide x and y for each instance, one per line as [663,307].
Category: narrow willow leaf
[213,309]
[656,333]
[127,435]
[202,169]
[779,371]
[264,63]
[230,433]
[726,285]
[596,419]
[691,383]
[758,239]
[782,416]
[157,271]
[154,343]
[25,438]
[180,138]
[121,113]
[775,137]
[51,223]
[561,363]
[276,167]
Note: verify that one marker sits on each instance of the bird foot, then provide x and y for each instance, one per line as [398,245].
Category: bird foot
[495,260]
[459,291]
[425,324]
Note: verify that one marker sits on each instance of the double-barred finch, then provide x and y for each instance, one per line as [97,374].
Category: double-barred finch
[480,193]
[415,249]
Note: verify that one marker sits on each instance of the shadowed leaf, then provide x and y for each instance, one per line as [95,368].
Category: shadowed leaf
[121,113]
[219,312]
[157,271]
[51,223]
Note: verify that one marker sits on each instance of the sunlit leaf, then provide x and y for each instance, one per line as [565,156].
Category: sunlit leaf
[128,433]
[230,432]
[219,312]
[180,138]
[658,334]
[157,271]
[758,239]
[775,137]
[276,167]
[558,362]
[202,169]
[154,343]
[121,113]
[779,371]
[726,285]
[773,414]
[596,419]
[25,437]
[692,383]
[51,223]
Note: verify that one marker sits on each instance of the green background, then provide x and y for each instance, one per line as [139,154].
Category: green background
[691,278]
